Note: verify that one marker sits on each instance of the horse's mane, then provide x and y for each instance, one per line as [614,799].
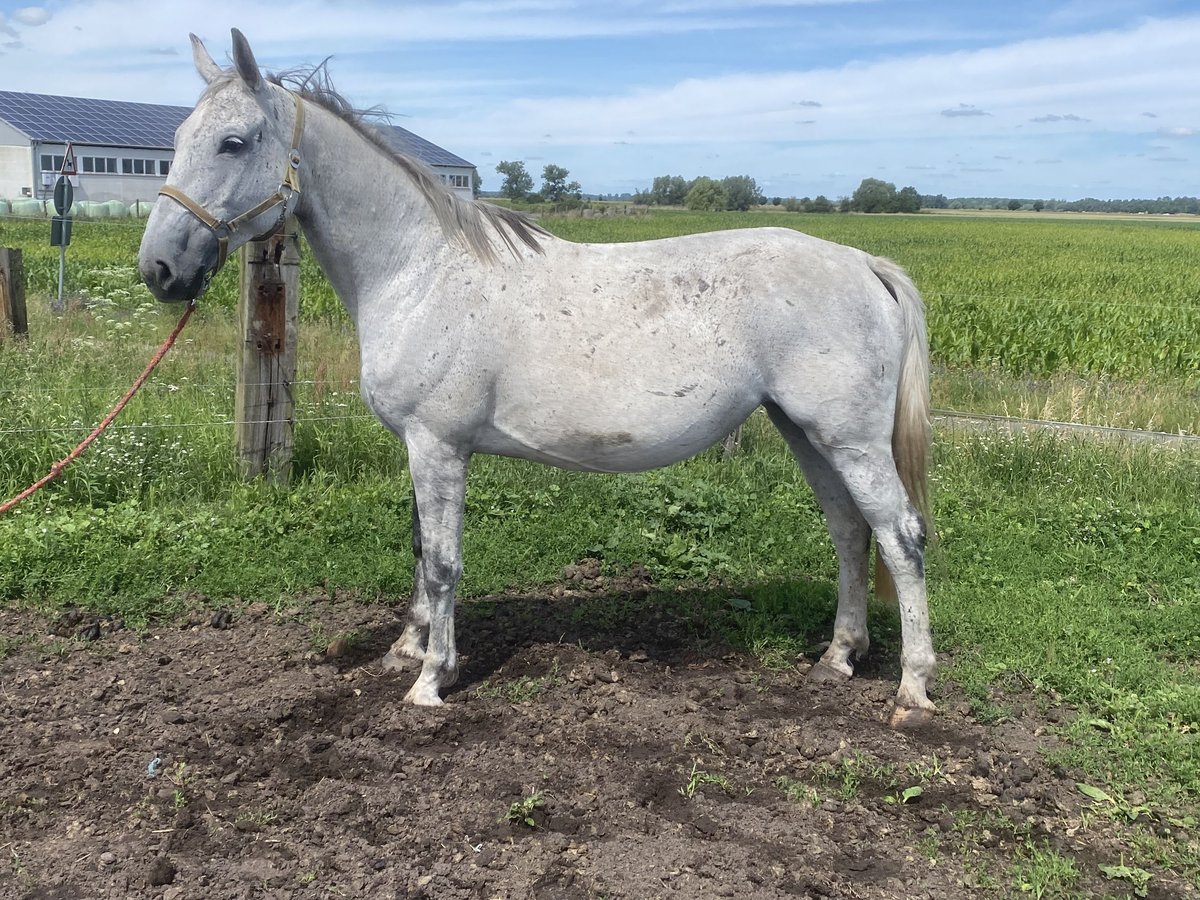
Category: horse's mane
[473,221]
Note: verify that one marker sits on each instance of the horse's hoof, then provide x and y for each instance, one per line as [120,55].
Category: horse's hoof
[823,673]
[907,717]
[423,696]
[394,662]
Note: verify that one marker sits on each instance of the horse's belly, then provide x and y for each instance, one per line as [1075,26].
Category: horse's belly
[597,437]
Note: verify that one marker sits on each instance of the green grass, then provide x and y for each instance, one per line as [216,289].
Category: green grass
[1067,571]
[1167,404]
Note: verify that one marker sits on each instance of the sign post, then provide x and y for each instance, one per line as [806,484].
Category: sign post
[60,226]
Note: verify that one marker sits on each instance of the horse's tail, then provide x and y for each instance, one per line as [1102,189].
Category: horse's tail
[912,434]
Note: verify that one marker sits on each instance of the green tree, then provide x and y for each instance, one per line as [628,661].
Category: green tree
[741,192]
[517,182]
[706,194]
[1038,205]
[1014,205]
[821,204]
[555,187]
[908,200]
[669,190]
[874,196]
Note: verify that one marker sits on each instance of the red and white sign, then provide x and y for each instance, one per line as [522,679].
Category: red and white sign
[68,166]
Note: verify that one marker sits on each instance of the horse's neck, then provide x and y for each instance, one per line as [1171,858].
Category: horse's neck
[369,228]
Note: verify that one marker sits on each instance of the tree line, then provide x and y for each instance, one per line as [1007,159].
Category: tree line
[734,192]
[1158,206]
[741,192]
[873,195]
[518,184]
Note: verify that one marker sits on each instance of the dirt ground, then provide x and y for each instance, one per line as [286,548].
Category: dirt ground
[588,750]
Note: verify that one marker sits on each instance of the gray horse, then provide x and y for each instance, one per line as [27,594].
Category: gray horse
[481,333]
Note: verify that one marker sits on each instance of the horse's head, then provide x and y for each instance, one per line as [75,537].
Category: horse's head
[234,176]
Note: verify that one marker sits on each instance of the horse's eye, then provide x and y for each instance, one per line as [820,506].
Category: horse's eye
[232,145]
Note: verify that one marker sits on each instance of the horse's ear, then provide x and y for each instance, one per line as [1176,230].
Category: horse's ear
[243,59]
[208,69]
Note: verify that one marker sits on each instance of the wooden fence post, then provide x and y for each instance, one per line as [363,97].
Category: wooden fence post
[13,317]
[268,307]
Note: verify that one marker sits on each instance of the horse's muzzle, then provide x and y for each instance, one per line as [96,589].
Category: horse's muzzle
[171,284]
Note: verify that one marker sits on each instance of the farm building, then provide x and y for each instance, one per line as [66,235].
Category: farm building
[123,150]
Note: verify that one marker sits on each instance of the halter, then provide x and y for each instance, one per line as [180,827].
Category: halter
[289,187]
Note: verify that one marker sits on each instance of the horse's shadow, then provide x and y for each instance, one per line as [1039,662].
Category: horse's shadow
[667,627]
[494,631]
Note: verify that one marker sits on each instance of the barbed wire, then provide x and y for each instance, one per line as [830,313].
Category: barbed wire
[110,221]
[173,387]
[214,423]
[1012,422]
[937,413]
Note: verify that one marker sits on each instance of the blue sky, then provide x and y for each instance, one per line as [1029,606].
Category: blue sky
[1052,99]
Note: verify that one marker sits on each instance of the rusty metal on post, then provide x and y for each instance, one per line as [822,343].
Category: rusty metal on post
[268,307]
[13,317]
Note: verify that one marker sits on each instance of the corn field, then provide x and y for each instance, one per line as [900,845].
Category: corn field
[1112,297]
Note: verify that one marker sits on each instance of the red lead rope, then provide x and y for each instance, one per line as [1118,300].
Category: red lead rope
[57,468]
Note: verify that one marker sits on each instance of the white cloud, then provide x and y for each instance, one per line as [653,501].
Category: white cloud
[32,15]
[963,110]
[903,112]
[1107,77]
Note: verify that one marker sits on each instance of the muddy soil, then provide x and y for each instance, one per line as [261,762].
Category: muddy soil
[593,747]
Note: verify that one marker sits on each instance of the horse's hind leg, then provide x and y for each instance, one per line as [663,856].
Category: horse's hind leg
[867,472]
[411,644]
[851,539]
[870,476]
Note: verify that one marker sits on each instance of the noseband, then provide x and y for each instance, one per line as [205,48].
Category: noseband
[289,187]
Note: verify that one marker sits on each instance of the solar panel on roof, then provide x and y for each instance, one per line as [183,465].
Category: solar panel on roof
[44,117]
[406,142]
[118,123]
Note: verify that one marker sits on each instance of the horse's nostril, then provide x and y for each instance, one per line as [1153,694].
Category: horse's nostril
[162,270]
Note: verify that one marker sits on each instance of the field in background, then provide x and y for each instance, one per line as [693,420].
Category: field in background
[1091,296]
[1066,569]
[1071,318]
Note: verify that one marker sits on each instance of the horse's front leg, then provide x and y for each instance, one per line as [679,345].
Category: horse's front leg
[439,474]
[410,647]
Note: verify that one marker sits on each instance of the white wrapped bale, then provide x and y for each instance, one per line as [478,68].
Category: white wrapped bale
[31,209]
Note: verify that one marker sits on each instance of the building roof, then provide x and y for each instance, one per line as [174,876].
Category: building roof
[44,117]
[413,144]
[118,123]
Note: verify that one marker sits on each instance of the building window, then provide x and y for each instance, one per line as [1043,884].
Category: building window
[103,165]
[51,163]
[138,166]
[460,181]
[164,167]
